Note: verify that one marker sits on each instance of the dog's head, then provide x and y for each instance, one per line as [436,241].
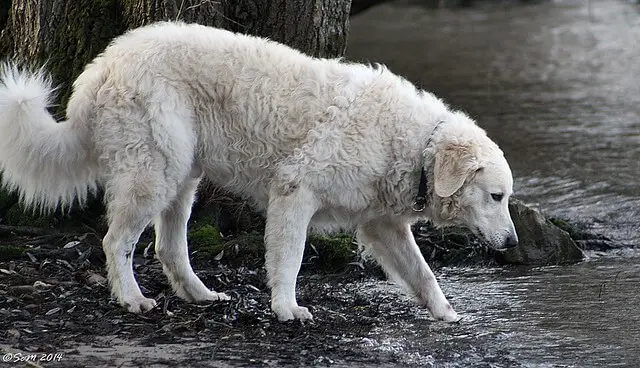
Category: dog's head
[472,185]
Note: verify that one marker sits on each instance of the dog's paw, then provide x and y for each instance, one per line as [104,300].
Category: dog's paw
[211,296]
[451,317]
[446,313]
[139,304]
[295,312]
[196,292]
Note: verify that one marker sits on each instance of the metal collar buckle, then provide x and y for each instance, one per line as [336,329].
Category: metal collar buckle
[419,204]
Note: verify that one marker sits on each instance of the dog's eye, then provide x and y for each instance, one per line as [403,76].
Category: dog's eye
[497,196]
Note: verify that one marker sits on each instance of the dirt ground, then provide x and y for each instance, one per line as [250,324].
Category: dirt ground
[55,311]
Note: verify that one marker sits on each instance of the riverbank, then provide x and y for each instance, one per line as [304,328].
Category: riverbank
[54,298]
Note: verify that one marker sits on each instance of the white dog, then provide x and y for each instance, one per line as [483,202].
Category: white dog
[313,142]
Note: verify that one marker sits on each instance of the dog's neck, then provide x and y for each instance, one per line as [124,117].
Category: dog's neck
[420,202]
[399,185]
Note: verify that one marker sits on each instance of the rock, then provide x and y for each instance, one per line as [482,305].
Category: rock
[13,335]
[95,279]
[540,241]
[39,285]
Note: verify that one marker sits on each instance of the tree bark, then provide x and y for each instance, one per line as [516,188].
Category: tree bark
[63,34]
[318,27]
[67,34]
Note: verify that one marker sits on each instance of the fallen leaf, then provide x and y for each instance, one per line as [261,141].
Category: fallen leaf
[53,311]
[71,244]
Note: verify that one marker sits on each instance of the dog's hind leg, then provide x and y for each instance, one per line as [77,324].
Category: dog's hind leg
[288,217]
[134,199]
[172,250]
[394,247]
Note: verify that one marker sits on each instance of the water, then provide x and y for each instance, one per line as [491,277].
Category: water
[583,315]
[579,316]
[557,85]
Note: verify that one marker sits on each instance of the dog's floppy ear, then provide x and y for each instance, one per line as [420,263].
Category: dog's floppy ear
[453,165]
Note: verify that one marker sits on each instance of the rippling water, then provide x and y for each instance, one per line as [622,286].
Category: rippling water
[579,316]
[583,316]
[557,85]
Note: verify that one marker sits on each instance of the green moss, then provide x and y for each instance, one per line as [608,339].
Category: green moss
[205,237]
[242,250]
[231,214]
[561,223]
[325,253]
[11,252]
[576,229]
[330,253]
[20,216]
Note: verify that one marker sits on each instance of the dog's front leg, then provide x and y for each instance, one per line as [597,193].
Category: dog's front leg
[394,247]
[288,216]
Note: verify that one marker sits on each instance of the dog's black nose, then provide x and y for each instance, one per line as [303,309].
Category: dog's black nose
[510,242]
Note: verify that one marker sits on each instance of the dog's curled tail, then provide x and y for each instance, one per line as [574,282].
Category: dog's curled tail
[48,163]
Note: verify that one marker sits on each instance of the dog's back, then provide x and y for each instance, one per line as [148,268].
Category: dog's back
[235,106]
[311,141]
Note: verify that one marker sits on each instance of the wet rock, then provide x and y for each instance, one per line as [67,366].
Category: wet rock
[584,237]
[540,241]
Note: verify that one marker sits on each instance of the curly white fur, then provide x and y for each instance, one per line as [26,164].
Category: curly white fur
[48,163]
[313,142]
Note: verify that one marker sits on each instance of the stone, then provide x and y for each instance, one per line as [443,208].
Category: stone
[540,241]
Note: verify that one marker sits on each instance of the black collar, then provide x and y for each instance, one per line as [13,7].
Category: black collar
[420,203]
[421,200]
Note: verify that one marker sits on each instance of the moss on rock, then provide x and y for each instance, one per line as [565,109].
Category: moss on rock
[205,236]
[9,252]
[331,253]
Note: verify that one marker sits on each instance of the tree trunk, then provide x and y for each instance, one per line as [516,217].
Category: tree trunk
[64,34]
[317,27]
[68,34]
